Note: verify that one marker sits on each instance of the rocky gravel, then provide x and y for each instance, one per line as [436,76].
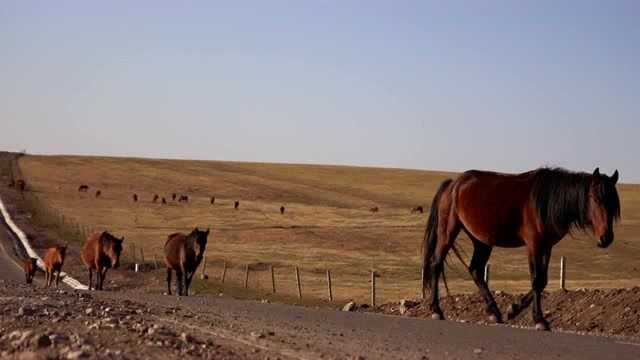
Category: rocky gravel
[36,323]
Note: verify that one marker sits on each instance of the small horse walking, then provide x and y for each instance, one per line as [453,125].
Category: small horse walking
[53,261]
[30,265]
[535,209]
[99,253]
[183,254]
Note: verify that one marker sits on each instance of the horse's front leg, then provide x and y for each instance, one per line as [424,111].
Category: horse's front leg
[169,271]
[179,281]
[104,276]
[90,278]
[539,266]
[188,279]
[57,279]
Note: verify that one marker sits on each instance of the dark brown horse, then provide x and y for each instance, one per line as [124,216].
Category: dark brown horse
[236,205]
[213,200]
[12,183]
[281,210]
[173,196]
[98,193]
[183,254]
[374,209]
[83,188]
[30,265]
[53,261]
[183,198]
[164,201]
[535,209]
[155,198]
[101,252]
[135,197]
[417,209]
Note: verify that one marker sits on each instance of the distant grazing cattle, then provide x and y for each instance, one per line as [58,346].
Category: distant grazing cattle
[173,196]
[164,201]
[374,209]
[30,265]
[281,210]
[183,198]
[22,185]
[98,193]
[83,188]
[53,261]
[155,198]
[417,209]
[236,205]
[135,197]
[213,200]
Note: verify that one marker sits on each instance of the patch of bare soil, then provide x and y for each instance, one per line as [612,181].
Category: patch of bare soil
[37,323]
[600,312]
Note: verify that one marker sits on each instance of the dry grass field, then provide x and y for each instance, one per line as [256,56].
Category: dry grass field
[327,223]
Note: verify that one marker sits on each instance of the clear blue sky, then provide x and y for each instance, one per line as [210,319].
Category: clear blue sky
[503,85]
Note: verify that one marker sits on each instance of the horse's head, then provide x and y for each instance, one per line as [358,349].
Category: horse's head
[200,243]
[604,206]
[113,250]
[62,253]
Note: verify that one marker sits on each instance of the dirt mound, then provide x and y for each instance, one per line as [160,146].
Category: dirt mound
[602,312]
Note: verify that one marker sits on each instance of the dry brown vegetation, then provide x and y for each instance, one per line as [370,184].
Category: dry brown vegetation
[327,223]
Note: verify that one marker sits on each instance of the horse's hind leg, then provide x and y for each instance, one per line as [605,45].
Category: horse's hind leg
[481,254]
[58,279]
[516,308]
[437,268]
[90,278]
[169,281]
[180,282]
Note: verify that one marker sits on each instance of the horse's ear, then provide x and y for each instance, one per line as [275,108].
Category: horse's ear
[615,176]
[122,239]
[596,172]
[208,229]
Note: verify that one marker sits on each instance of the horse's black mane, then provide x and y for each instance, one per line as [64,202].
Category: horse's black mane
[562,198]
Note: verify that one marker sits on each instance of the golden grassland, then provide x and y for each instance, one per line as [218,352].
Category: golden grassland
[327,223]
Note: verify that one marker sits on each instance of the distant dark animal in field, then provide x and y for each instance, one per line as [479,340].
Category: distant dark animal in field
[135,197]
[183,253]
[213,200]
[236,205]
[374,209]
[535,209]
[164,201]
[22,185]
[155,198]
[98,193]
[183,198]
[281,210]
[83,188]
[173,196]
[417,209]
[99,253]
[53,261]
[30,265]
[11,184]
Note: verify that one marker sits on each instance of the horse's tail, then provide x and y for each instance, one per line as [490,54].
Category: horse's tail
[431,237]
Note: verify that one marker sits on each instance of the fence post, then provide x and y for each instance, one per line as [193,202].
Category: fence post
[563,272]
[373,288]
[224,272]
[246,276]
[273,280]
[298,282]
[487,270]
[329,285]
[155,261]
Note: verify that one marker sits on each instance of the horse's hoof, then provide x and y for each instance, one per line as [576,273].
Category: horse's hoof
[542,326]
[436,316]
